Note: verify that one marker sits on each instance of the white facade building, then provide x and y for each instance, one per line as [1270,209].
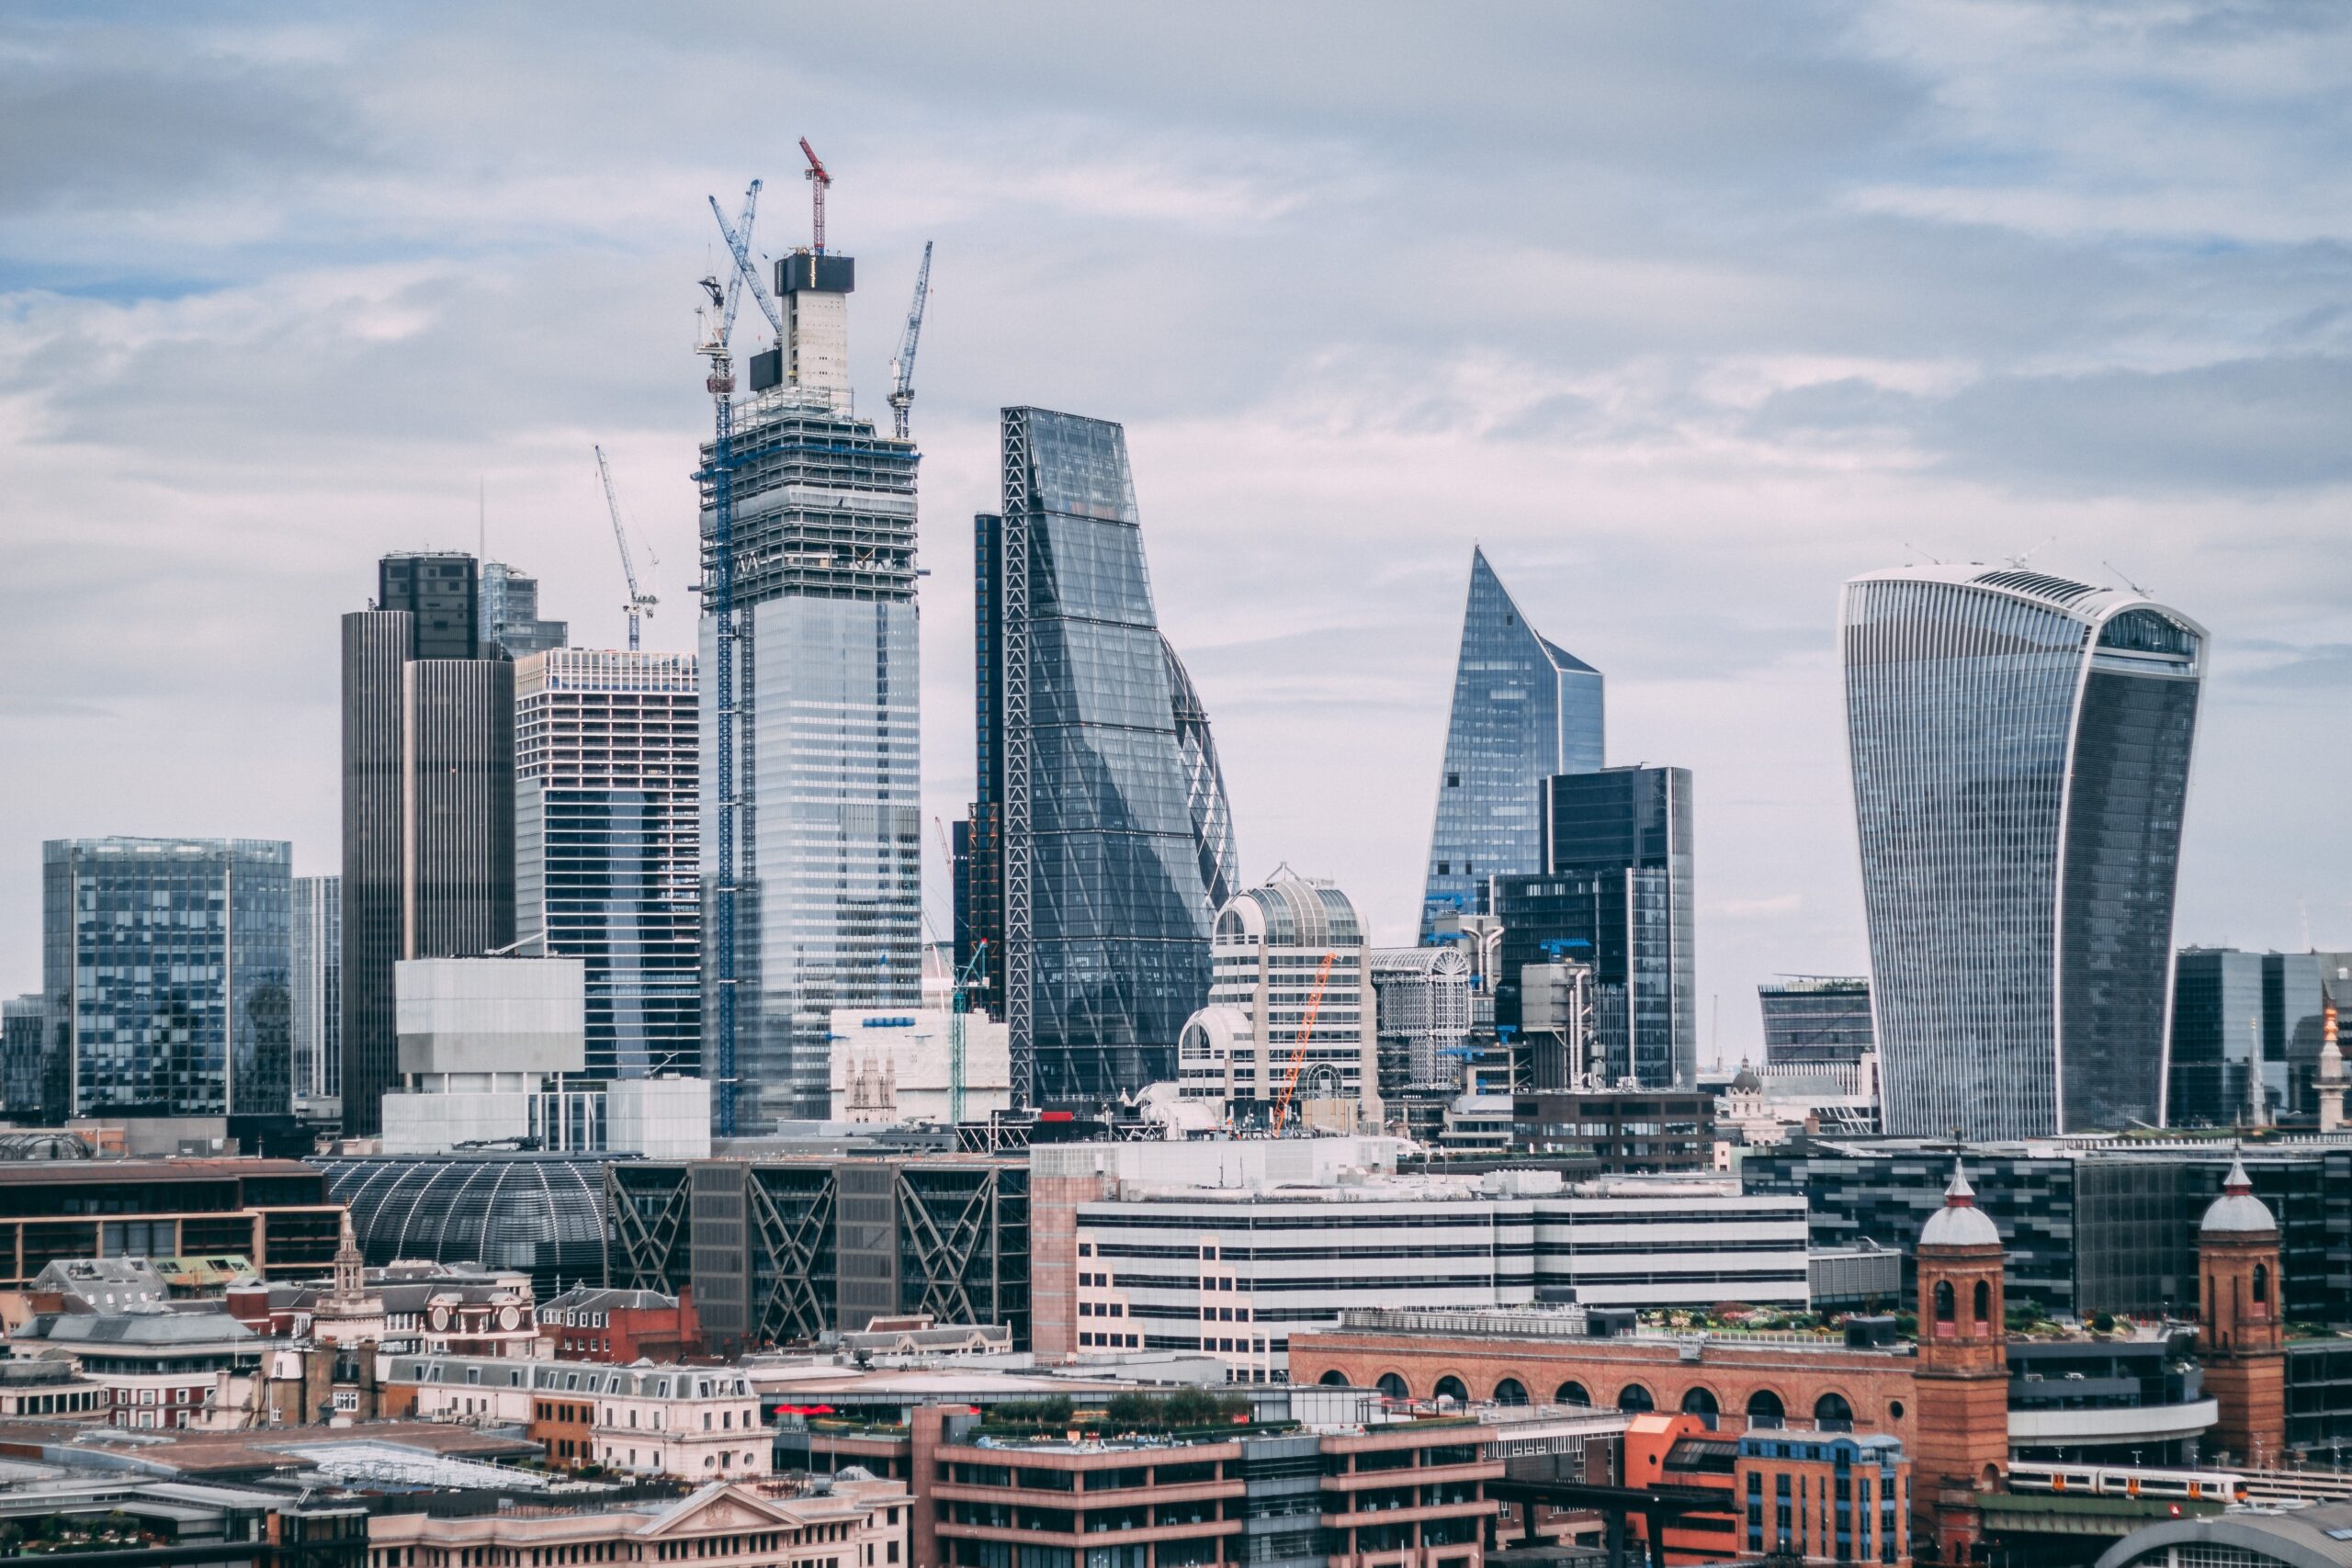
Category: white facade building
[891,1065]
[1232,1270]
[692,1423]
[1290,989]
[1422,996]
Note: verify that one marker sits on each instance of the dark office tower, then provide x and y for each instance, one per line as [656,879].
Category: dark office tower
[1814,1020]
[428,802]
[1101,825]
[166,965]
[510,613]
[1523,710]
[1616,893]
[2232,1008]
[2020,748]
[828,834]
[26,1059]
[607,846]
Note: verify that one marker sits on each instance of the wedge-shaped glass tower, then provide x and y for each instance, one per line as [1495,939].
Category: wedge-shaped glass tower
[1524,709]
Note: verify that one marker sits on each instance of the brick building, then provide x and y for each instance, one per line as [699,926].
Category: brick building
[590,1323]
[1797,1491]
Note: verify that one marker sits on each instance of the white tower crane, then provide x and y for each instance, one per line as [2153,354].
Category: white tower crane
[641,603]
[903,368]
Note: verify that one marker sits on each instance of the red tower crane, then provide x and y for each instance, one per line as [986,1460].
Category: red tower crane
[818,180]
[1306,1029]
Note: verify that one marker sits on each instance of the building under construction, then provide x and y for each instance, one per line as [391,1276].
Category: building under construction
[826,821]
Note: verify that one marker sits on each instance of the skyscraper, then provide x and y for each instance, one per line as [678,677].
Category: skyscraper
[827,757]
[2021,747]
[428,801]
[166,967]
[317,958]
[1615,891]
[1815,1019]
[1101,825]
[607,845]
[33,1076]
[2232,1008]
[1523,710]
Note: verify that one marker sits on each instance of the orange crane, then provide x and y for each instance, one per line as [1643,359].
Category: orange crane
[1299,1052]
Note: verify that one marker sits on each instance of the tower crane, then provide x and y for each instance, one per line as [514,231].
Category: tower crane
[1306,1029]
[819,180]
[639,603]
[747,268]
[903,368]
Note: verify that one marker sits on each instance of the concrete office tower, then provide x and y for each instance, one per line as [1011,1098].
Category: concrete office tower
[166,965]
[1523,710]
[428,800]
[1286,957]
[1615,891]
[607,846]
[2020,748]
[1422,996]
[828,830]
[510,613]
[1101,826]
[317,950]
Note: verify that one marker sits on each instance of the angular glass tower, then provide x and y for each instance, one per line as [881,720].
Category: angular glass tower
[828,829]
[2021,747]
[1523,710]
[1101,827]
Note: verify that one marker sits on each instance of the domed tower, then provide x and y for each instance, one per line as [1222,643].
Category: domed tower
[1960,1428]
[2240,1336]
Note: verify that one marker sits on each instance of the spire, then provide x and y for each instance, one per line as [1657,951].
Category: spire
[350,1265]
[1958,1194]
[2237,1184]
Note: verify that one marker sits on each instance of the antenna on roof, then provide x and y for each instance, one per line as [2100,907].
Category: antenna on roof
[2018,562]
[2127,578]
[1934,561]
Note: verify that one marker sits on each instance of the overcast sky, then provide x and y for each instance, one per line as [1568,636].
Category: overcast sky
[1686,312]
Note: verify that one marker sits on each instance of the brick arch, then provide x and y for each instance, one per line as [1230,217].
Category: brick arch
[1404,1385]
[1747,1410]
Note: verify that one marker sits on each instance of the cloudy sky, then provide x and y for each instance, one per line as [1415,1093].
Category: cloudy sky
[1686,313]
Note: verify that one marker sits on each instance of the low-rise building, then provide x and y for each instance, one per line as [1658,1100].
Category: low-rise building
[1229,1250]
[841,1524]
[592,1323]
[158,1368]
[274,1213]
[1797,1491]
[51,1387]
[689,1423]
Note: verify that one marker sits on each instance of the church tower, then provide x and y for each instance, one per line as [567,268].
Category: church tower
[1961,1443]
[2240,1336]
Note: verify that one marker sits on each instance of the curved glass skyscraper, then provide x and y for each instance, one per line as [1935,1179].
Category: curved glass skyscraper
[2020,748]
[1523,710]
[1101,844]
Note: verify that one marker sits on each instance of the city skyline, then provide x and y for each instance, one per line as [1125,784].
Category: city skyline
[1674,441]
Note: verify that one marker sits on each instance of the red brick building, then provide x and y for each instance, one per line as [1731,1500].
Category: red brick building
[2240,1339]
[590,1323]
[1822,1496]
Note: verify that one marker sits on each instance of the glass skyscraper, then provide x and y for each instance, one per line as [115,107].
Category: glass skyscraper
[1815,1019]
[1616,891]
[829,831]
[166,965]
[2021,747]
[608,847]
[1523,710]
[1101,844]
[317,958]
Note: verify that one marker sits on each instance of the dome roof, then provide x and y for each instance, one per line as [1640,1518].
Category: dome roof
[2237,1212]
[1960,1223]
[1746,1081]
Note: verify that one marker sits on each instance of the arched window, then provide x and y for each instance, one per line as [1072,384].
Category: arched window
[1450,1387]
[1832,1407]
[1946,1304]
[1335,1377]
[1701,1402]
[1984,1300]
[1511,1391]
[1635,1398]
[1571,1394]
[1765,1409]
[2261,1284]
[1393,1386]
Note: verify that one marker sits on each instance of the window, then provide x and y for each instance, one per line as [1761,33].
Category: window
[1635,1398]
[1946,1304]
[1983,1302]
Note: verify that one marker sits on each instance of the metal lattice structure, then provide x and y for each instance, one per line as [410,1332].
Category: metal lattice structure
[1020,1016]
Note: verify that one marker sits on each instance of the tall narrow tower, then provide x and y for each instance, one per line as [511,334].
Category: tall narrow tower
[2240,1336]
[1962,1383]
